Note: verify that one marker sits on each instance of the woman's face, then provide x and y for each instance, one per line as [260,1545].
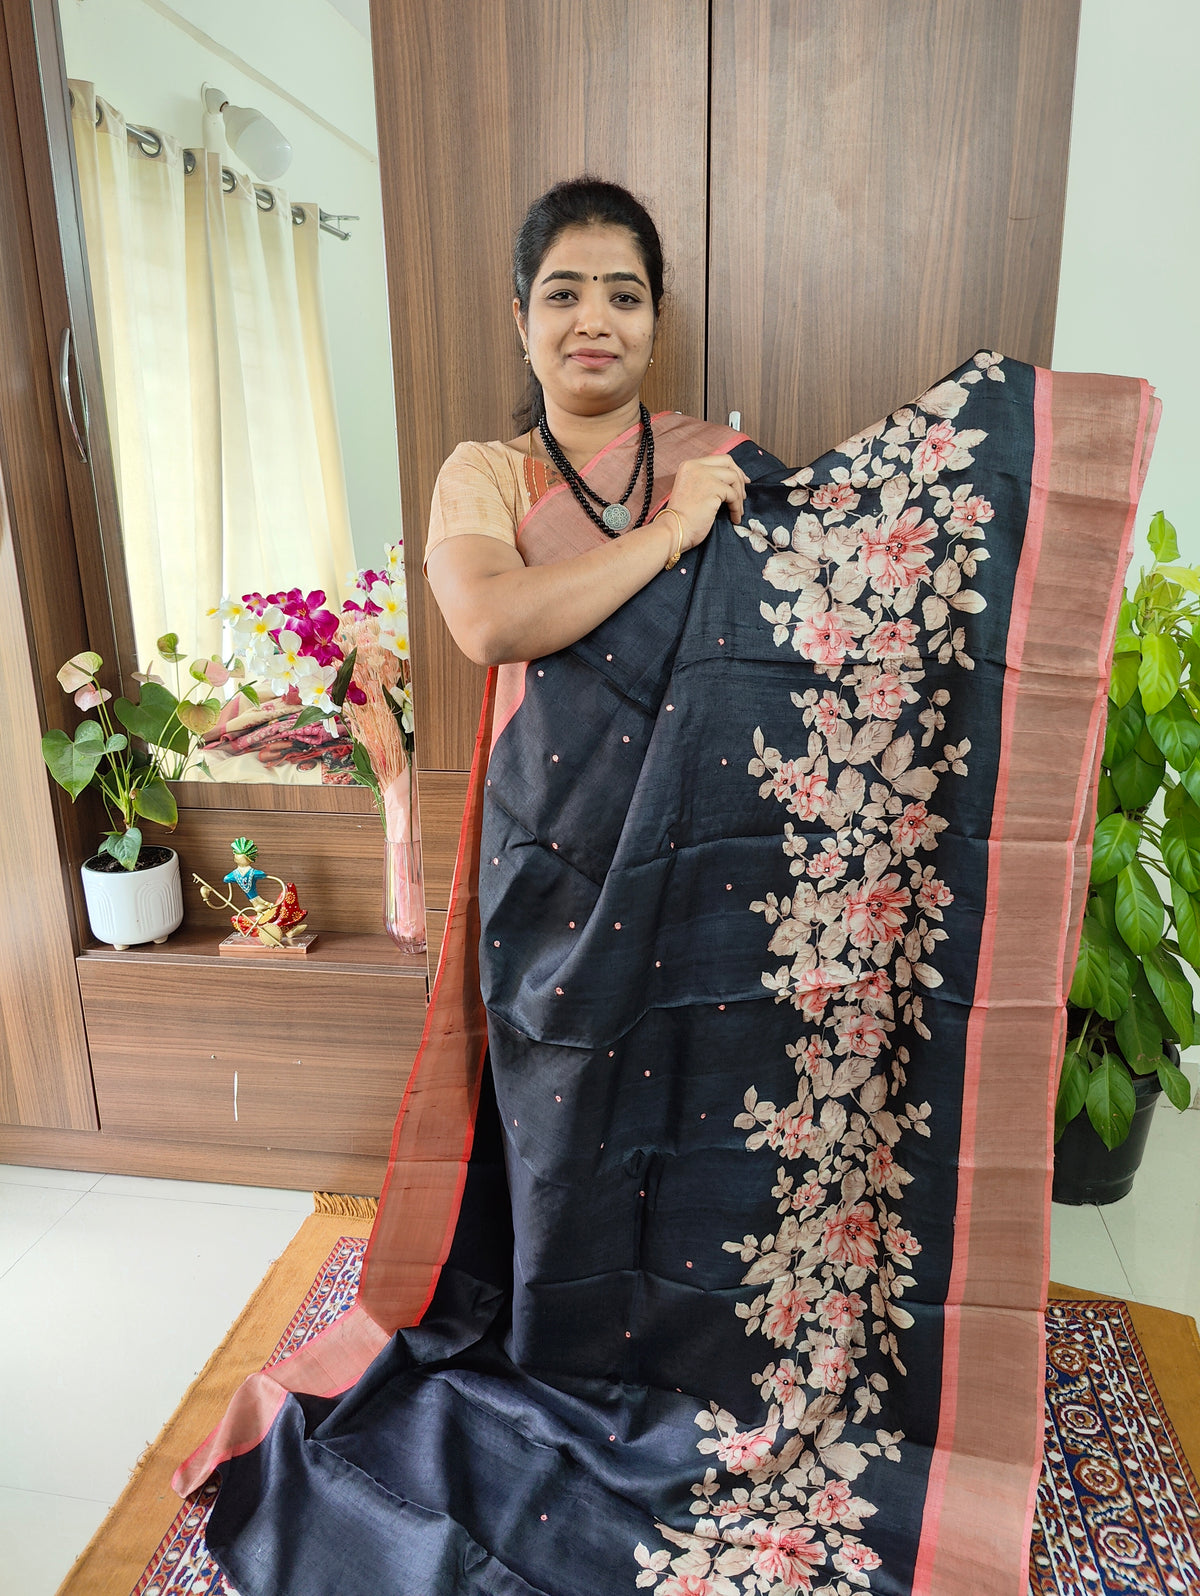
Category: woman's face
[590,327]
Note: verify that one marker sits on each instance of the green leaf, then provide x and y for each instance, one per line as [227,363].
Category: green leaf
[1123,683]
[124,846]
[1111,1100]
[1127,640]
[1180,844]
[1159,671]
[1173,990]
[1176,733]
[1072,1086]
[1114,845]
[1102,904]
[1106,796]
[1190,781]
[153,718]
[309,716]
[366,772]
[247,690]
[1139,909]
[1136,780]
[1175,801]
[1175,1084]
[1162,538]
[73,763]
[168,647]
[1104,972]
[1125,726]
[156,801]
[1140,1036]
[1187,923]
[342,680]
[199,718]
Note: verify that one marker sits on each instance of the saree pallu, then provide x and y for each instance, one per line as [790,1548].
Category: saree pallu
[713,1255]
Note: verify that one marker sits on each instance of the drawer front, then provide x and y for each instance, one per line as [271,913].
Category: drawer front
[277,1058]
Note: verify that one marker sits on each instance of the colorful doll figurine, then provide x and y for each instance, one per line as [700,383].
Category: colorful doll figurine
[274,924]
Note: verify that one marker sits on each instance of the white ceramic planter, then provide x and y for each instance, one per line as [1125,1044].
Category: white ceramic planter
[126,907]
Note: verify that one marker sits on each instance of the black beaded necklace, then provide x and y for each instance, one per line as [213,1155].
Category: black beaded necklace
[614,518]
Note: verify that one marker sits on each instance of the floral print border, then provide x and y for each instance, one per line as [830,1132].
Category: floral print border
[867,599]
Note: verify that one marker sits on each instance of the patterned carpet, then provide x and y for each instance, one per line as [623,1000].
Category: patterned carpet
[1117,1506]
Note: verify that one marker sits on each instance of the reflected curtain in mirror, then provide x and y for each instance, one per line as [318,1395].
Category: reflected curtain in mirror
[207,299]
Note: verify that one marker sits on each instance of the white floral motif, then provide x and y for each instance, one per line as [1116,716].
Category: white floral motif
[867,601]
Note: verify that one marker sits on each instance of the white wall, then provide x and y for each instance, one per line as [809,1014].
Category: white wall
[308,68]
[1130,281]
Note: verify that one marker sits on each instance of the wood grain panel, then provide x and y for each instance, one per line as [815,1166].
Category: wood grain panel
[192,1160]
[435,930]
[887,191]
[312,800]
[44,1073]
[480,108]
[336,861]
[443,797]
[320,1059]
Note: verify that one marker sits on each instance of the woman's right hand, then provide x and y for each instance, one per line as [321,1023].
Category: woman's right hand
[701,487]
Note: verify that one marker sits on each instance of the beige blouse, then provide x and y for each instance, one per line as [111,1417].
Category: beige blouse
[487,489]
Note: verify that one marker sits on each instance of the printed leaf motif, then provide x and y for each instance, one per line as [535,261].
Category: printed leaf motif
[896,758]
[870,740]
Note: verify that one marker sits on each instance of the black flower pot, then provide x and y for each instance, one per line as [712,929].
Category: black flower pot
[1085,1171]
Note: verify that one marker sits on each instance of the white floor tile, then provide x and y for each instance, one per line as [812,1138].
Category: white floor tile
[195,1191]
[107,1320]
[40,1537]
[64,1179]
[26,1214]
[1082,1253]
[1156,1229]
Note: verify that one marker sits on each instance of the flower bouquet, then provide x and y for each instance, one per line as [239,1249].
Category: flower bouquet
[351,668]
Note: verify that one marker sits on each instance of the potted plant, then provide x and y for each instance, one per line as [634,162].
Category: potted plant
[1131,1006]
[128,754]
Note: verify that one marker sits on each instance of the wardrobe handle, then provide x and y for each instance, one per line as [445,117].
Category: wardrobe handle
[64,388]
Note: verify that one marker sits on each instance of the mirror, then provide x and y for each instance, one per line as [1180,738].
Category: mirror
[229,187]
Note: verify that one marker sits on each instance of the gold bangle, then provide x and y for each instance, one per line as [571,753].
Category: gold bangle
[678,549]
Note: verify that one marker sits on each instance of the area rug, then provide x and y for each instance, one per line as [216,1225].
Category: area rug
[1117,1513]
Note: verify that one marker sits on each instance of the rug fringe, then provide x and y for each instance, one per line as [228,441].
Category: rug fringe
[344,1207]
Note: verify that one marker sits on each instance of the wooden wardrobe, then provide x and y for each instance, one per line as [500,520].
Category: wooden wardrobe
[854,195]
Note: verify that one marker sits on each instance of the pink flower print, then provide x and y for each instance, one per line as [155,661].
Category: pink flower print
[935,450]
[872,991]
[687,1585]
[811,1054]
[791,1135]
[808,801]
[894,552]
[861,1034]
[893,640]
[855,1558]
[831,1503]
[815,987]
[834,496]
[934,894]
[784,1382]
[832,1368]
[810,1195]
[745,1450]
[968,513]
[875,911]
[827,865]
[781,781]
[842,1310]
[823,638]
[915,827]
[881,1166]
[787,1556]
[885,696]
[783,1316]
[826,714]
[901,1243]
[850,1236]
[729,1509]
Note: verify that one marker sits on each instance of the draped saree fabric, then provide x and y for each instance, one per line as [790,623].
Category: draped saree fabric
[713,1255]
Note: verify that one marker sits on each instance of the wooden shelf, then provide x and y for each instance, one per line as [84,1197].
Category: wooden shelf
[335,952]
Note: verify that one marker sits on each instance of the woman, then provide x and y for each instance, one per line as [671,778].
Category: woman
[710,1258]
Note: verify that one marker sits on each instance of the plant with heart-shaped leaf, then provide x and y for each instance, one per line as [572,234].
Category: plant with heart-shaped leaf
[1131,995]
[129,753]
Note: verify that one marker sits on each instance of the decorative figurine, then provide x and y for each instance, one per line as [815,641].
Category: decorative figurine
[265,925]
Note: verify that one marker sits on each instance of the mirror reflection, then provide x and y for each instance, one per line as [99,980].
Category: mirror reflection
[229,189]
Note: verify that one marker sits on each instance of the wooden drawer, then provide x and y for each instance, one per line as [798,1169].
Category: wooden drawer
[274,1057]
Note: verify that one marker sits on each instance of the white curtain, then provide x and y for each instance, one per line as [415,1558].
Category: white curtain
[217,380]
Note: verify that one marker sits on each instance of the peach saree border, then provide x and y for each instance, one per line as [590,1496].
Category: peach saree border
[1093,436]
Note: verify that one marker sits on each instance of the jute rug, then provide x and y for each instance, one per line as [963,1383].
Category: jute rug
[1118,1511]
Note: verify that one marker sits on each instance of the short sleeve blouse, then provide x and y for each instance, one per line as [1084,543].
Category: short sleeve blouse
[486,489]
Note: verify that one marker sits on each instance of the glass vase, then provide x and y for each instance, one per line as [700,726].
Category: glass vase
[403,892]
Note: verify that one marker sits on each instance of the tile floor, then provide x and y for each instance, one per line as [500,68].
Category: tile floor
[77,1249]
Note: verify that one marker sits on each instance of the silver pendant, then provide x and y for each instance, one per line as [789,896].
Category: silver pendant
[616,517]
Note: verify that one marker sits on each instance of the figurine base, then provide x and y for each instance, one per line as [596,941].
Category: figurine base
[240,947]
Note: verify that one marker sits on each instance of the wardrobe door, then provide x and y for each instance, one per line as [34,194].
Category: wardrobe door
[887,197]
[480,108]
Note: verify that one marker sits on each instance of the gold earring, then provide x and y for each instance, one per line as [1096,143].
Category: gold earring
[527,357]
[651,359]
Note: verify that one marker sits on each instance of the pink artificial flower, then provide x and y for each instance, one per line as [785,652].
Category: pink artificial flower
[808,801]
[355,693]
[893,640]
[832,1368]
[787,1556]
[89,697]
[784,1315]
[850,1236]
[855,1558]
[875,911]
[894,553]
[968,513]
[861,1034]
[823,638]
[842,1310]
[745,1450]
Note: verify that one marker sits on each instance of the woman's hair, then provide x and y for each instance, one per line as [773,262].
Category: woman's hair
[579,202]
